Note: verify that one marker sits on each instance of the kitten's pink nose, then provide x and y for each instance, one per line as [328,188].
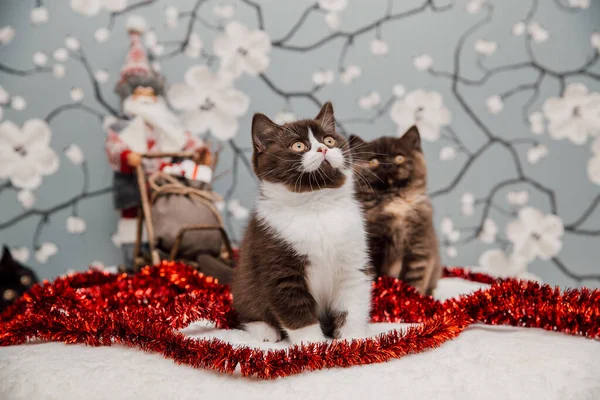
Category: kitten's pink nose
[322,150]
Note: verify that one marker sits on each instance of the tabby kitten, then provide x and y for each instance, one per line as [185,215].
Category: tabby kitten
[15,279]
[303,260]
[402,239]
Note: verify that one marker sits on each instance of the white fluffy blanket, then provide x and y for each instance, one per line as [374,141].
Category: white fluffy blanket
[482,363]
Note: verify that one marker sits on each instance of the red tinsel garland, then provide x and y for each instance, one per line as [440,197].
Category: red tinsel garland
[147,309]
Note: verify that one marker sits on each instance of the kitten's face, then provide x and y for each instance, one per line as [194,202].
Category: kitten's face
[304,156]
[15,279]
[389,163]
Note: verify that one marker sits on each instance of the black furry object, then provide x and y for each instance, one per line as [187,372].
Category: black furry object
[15,279]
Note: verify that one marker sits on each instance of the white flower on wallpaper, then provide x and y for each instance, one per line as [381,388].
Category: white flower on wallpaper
[45,251]
[209,102]
[489,230]
[74,154]
[283,117]
[370,100]
[448,153]
[18,103]
[7,34]
[242,49]
[26,198]
[25,153]
[423,62]
[157,50]
[350,73]
[379,47]
[333,8]
[323,77]
[424,109]
[485,47]
[89,8]
[38,15]
[76,94]
[595,40]
[21,254]
[537,32]
[333,5]
[450,233]
[101,76]
[398,90]
[535,234]
[593,167]
[61,54]
[495,262]
[333,21]
[101,35]
[75,224]
[194,46]
[224,11]
[72,43]
[467,204]
[494,104]
[575,115]
[108,120]
[150,38]
[238,211]
[40,58]
[518,28]
[536,123]
[536,153]
[59,71]
[171,17]
[474,6]
[517,198]
[579,3]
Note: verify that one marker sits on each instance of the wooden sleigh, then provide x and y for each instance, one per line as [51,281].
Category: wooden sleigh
[216,266]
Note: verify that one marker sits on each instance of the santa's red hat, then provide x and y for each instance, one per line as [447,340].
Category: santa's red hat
[136,62]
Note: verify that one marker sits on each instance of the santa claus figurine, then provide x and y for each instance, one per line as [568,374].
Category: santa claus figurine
[151,127]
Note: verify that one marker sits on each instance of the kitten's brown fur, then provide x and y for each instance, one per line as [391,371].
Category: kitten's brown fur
[269,283]
[402,239]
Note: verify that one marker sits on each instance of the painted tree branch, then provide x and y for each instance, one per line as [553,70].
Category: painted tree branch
[23,72]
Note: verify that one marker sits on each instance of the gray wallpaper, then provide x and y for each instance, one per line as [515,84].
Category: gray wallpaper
[505,94]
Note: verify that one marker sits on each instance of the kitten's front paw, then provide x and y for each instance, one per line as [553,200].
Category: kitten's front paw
[263,331]
[308,334]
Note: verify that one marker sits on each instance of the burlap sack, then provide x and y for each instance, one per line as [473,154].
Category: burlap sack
[174,206]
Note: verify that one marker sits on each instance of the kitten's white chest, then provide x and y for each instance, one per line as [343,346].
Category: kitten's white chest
[328,229]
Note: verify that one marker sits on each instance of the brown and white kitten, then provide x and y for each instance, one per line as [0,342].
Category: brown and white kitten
[303,260]
[402,239]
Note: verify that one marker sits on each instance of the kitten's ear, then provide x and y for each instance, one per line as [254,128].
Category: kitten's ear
[262,131]
[412,138]
[326,118]
[355,141]
[6,255]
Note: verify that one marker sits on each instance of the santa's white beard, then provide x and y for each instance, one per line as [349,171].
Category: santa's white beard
[164,121]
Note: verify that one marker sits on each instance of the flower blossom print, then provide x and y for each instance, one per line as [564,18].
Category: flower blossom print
[242,50]
[535,234]
[209,102]
[424,109]
[25,153]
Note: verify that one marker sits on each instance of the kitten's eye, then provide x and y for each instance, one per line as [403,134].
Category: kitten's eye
[298,147]
[399,159]
[329,141]
[26,280]
[373,162]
